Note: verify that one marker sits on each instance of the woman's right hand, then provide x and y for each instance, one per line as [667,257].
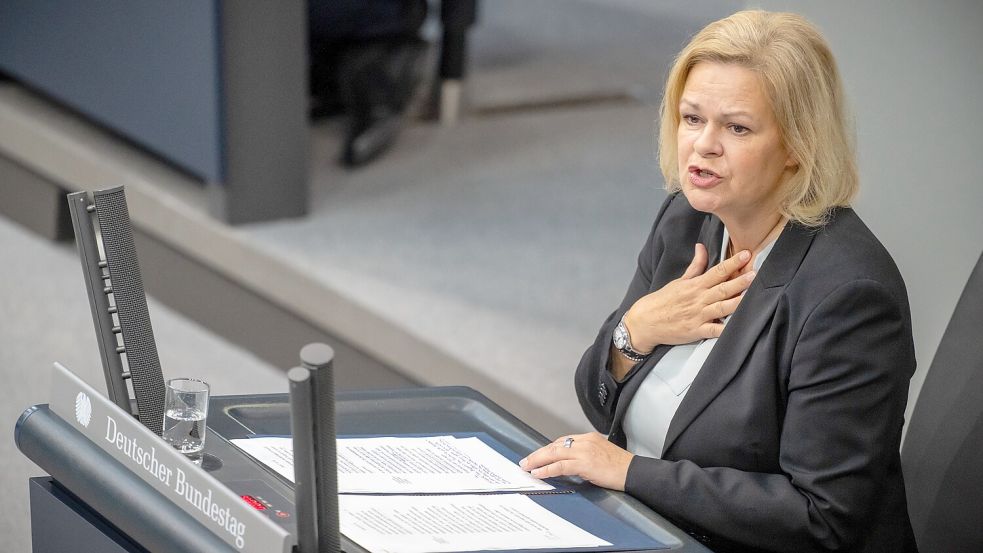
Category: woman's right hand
[691,307]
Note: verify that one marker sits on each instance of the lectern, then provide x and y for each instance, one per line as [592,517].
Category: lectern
[99,497]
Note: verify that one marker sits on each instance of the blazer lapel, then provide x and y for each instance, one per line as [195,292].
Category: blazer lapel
[743,328]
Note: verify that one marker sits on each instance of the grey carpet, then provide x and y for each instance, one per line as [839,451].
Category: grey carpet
[504,241]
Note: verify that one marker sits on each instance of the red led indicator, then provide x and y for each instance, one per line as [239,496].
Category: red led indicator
[256,504]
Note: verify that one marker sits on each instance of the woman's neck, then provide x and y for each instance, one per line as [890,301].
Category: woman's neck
[754,237]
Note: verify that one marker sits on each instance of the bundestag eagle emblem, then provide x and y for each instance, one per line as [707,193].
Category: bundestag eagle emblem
[83,409]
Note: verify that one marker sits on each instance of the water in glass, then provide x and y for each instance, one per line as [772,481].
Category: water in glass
[185,430]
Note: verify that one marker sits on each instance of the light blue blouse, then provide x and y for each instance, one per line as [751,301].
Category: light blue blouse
[653,406]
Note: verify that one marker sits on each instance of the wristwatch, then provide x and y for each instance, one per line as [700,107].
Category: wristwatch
[622,342]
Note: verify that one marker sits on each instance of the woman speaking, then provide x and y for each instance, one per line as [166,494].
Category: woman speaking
[753,381]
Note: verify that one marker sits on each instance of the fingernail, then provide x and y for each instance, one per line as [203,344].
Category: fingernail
[750,276]
[536,472]
[745,255]
[522,463]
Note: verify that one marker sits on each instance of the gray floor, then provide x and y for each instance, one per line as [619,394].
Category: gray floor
[507,239]
[504,257]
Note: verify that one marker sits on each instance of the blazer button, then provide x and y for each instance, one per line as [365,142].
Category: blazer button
[702,538]
[602,393]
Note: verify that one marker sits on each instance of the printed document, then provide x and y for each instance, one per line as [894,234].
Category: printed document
[434,464]
[438,523]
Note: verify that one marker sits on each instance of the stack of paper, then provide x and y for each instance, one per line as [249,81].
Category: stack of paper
[433,523]
[433,464]
[422,524]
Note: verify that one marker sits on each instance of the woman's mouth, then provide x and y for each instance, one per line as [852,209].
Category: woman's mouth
[703,178]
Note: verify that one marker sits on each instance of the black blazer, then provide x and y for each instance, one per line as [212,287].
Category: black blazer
[789,437]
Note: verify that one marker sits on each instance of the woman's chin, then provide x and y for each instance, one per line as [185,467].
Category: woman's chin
[700,200]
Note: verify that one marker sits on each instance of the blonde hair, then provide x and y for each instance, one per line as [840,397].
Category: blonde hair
[800,78]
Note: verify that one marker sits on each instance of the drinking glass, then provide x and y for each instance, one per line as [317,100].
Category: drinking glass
[185,412]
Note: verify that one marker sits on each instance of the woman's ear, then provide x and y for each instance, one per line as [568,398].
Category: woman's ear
[791,162]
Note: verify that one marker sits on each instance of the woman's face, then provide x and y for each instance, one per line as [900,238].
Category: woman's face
[732,162]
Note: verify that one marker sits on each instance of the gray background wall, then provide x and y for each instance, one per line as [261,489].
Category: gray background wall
[913,72]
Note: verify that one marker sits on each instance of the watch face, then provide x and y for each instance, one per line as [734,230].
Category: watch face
[620,336]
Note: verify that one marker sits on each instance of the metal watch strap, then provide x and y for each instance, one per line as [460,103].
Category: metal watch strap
[628,351]
[632,355]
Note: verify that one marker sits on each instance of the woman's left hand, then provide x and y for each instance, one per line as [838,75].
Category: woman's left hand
[590,456]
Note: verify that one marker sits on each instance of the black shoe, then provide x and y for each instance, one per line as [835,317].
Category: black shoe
[370,136]
[378,83]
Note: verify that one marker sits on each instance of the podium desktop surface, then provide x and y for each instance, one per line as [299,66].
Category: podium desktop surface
[430,411]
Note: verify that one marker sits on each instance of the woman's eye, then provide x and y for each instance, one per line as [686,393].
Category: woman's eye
[739,130]
[691,119]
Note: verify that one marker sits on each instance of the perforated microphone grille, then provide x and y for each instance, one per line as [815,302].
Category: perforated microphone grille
[131,302]
[319,358]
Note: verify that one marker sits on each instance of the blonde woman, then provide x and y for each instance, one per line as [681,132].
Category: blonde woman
[753,381]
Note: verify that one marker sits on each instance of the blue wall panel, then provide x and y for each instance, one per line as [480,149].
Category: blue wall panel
[149,70]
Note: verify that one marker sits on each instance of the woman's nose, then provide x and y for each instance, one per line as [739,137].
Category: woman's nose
[707,144]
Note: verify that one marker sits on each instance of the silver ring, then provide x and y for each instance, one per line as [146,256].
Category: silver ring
[568,443]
